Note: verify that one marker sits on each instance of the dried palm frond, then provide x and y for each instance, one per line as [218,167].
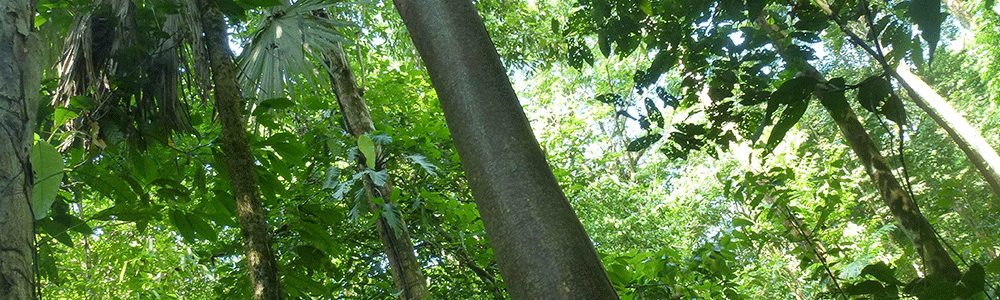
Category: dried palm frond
[131,75]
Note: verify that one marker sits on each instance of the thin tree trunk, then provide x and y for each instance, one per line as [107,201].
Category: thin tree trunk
[980,153]
[19,84]
[975,147]
[541,246]
[261,264]
[934,256]
[406,273]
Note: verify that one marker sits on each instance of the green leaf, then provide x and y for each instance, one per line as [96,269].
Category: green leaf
[202,229]
[47,164]
[183,224]
[422,161]
[63,116]
[740,222]
[794,90]
[643,142]
[789,117]
[654,113]
[893,110]
[392,217]
[994,266]
[273,103]
[872,92]
[927,15]
[56,230]
[866,287]
[882,272]
[974,279]
[367,148]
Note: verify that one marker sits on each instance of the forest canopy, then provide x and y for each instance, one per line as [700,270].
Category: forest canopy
[457,149]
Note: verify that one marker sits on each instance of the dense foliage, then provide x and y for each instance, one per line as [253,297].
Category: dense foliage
[682,132]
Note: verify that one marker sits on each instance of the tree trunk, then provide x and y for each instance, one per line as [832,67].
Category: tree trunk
[975,147]
[968,139]
[260,260]
[957,9]
[406,273]
[19,85]
[934,256]
[541,246]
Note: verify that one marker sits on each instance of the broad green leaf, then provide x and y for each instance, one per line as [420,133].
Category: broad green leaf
[47,164]
[872,92]
[392,217]
[62,116]
[974,279]
[927,15]
[56,230]
[788,119]
[183,224]
[273,103]
[202,229]
[367,148]
[994,266]
[893,110]
[794,90]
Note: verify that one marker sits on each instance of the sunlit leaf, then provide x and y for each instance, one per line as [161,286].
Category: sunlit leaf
[47,165]
[367,148]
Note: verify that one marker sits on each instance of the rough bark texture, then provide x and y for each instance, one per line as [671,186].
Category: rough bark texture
[19,80]
[541,247]
[936,260]
[260,260]
[406,273]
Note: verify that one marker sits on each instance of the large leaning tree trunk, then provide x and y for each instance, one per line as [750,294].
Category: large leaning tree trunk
[979,152]
[261,264]
[406,274]
[541,246]
[935,259]
[20,77]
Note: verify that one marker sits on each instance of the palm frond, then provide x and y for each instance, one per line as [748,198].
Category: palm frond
[280,56]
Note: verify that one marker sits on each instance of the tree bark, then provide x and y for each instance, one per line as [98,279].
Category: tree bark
[19,84]
[261,264]
[982,156]
[406,273]
[541,246]
[906,212]
[980,153]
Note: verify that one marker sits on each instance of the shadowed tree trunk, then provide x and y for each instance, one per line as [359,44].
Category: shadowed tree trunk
[541,247]
[260,260]
[406,274]
[19,84]
[935,259]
